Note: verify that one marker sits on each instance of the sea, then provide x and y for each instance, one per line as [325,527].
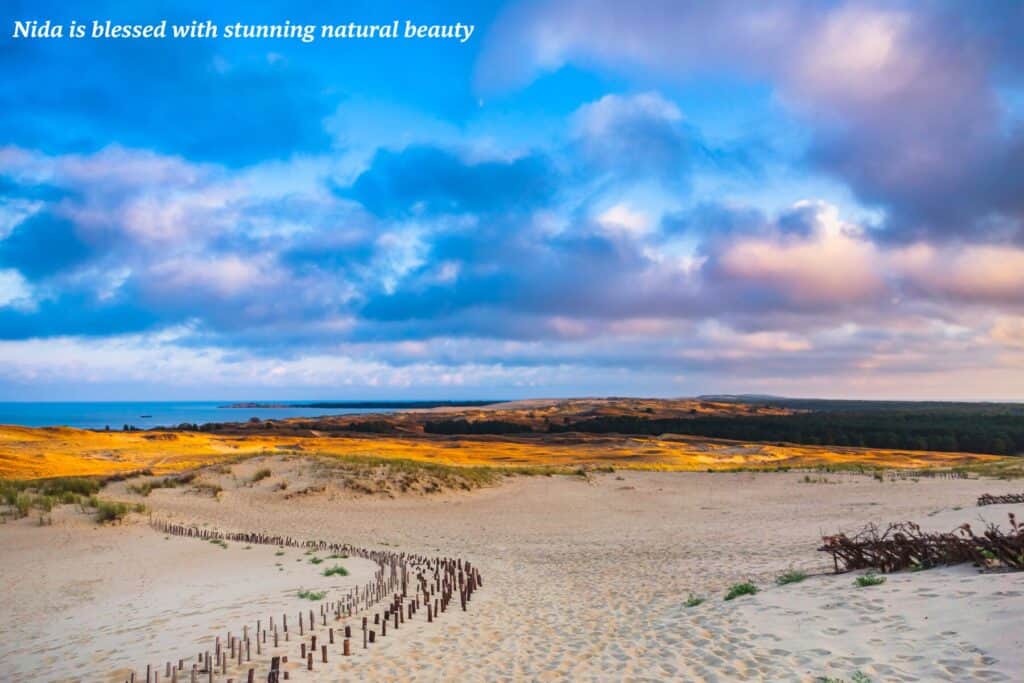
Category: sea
[147,414]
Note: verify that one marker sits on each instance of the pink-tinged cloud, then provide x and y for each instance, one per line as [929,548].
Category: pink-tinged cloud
[1008,331]
[833,264]
[226,276]
[982,273]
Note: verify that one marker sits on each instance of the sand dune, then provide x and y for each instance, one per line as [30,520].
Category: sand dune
[86,602]
[586,579]
[946,624]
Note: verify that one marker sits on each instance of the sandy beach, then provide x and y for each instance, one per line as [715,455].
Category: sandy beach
[586,578]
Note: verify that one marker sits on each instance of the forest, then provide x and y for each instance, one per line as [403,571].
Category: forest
[993,428]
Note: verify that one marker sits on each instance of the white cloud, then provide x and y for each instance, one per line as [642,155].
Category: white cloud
[621,218]
[15,291]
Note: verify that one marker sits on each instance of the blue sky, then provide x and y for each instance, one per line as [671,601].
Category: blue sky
[657,198]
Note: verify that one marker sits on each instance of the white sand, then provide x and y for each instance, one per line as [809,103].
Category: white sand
[586,580]
[948,624]
[81,602]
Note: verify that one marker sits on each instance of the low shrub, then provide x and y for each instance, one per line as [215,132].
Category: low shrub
[738,589]
[693,601]
[870,580]
[336,570]
[110,511]
[792,576]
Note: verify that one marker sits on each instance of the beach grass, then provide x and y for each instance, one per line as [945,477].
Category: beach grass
[740,589]
[791,576]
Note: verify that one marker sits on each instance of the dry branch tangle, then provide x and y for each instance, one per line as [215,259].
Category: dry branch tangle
[409,583]
[989,499]
[904,546]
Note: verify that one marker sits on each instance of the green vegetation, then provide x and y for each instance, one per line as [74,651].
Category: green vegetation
[738,589]
[279,553]
[315,560]
[461,426]
[146,487]
[45,494]
[951,427]
[792,576]
[336,570]
[261,474]
[869,580]
[857,677]
[371,427]
[693,601]
[311,595]
[220,542]
[111,510]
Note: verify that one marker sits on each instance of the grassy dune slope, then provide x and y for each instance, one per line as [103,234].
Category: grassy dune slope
[27,453]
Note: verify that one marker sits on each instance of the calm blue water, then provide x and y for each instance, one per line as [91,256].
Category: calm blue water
[160,414]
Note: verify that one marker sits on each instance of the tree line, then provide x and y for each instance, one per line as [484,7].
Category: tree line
[969,431]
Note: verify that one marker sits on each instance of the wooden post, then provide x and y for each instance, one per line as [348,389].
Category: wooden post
[347,648]
[309,662]
[323,652]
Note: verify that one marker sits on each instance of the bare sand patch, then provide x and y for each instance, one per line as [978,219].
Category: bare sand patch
[945,624]
[86,603]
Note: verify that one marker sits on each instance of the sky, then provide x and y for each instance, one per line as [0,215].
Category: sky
[660,198]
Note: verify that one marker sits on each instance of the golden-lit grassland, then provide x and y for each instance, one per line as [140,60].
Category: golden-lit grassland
[27,453]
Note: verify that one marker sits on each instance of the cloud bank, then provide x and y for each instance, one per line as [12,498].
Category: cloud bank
[625,248]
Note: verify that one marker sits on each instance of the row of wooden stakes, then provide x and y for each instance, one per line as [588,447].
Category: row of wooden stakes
[434,582]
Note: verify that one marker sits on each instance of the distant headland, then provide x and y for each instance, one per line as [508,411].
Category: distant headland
[364,405]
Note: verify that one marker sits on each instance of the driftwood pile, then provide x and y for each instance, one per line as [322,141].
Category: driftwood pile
[989,499]
[906,546]
[403,586]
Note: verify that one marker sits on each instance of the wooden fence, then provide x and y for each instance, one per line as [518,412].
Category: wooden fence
[403,587]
